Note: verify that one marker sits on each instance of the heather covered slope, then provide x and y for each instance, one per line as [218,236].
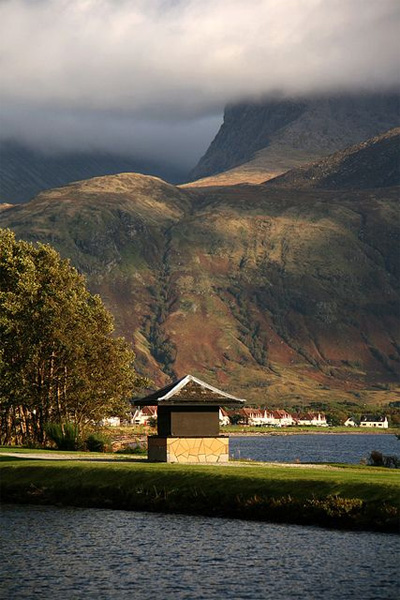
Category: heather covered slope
[112,228]
[279,295]
[293,289]
[261,140]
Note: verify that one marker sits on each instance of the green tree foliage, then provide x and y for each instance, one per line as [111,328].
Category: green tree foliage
[58,360]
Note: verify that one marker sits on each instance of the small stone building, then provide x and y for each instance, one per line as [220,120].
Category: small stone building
[188,422]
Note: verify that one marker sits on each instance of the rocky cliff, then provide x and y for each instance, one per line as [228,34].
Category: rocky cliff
[261,140]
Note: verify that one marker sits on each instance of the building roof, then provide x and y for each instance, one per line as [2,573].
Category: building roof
[251,412]
[149,411]
[280,414]
[373,419]
[189,391]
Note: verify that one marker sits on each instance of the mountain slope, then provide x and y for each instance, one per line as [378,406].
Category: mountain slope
[25,172]
[371,164]
[258,141]
[285,295]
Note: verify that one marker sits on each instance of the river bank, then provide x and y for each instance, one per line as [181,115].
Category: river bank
[255,431]
[337,496]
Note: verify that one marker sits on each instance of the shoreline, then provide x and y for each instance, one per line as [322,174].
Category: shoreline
[324,432]
[141,436]
[334,496]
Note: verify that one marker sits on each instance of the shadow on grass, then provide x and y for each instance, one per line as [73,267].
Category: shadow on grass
[55,459]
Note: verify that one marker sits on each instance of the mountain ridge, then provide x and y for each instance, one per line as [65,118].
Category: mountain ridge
[290,295]
[267,138]
[25,172]
[370,164]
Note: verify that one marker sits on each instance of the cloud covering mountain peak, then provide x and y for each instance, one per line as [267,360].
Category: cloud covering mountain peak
[175,63]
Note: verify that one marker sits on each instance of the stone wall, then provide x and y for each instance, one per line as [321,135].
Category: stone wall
[188,449]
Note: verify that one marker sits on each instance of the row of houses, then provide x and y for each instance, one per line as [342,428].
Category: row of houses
[260,417]
[256,417]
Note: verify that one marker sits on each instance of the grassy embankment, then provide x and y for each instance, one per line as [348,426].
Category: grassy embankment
[343,496]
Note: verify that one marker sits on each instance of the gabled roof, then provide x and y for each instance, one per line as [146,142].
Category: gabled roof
[251,412]
[372,419]
[189,391]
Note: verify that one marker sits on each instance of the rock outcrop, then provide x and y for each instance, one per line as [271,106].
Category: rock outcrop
[270,137]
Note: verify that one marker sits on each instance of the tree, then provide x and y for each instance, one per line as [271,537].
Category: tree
[58,359]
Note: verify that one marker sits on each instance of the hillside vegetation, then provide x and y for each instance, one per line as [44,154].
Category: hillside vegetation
[284,294]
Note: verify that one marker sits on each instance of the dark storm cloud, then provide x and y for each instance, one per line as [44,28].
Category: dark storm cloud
[142,73]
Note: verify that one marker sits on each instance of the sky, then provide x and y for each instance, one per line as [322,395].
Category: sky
[150,78]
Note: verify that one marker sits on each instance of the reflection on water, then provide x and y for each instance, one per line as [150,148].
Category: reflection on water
[317,447]
[64,554]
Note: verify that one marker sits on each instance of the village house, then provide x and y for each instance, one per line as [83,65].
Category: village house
[251,416]
[224,419]
[311,419]
[263,417]
[351,422]
[279,418]
[143,414]
[374,421]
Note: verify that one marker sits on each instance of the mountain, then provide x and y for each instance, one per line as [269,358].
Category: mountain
[261,140]
[282,294]
[371,164]
[25,172]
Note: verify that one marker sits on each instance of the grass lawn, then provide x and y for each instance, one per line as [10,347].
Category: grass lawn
[339,496]
[51,452]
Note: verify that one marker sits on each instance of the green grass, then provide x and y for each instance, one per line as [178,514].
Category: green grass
[339,496]
[70,453]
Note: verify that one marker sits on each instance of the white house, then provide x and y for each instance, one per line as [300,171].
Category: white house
[260,417]
[280,418]
[252,416]
[374,421]
[142,415]
[350,422]
[224,419]
[314,419]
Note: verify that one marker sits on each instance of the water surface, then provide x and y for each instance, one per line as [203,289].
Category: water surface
[68,553]
[317,447]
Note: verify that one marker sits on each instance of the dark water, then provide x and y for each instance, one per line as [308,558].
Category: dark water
[331,447]
[63,554]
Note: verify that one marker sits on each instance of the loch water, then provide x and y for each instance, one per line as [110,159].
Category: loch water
[316,447]
[68,553]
